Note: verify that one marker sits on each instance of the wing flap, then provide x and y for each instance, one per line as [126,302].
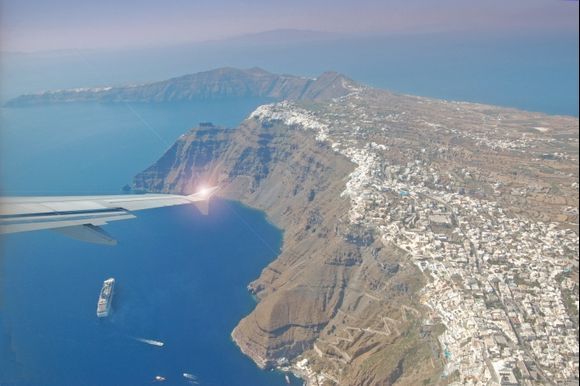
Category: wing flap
[88,233]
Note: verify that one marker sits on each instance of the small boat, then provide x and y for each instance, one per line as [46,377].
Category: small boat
[105,298]
[159,378]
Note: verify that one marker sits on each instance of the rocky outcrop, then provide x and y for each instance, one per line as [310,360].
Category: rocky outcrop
[215,84]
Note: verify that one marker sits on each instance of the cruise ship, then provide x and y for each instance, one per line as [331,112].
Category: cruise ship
[105,298]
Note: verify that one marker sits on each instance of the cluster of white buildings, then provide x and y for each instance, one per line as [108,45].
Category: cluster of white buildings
[500,284]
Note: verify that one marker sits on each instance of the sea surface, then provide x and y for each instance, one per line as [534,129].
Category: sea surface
[181,277]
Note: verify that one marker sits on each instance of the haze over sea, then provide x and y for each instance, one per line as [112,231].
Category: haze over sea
[181,277]
[530,71]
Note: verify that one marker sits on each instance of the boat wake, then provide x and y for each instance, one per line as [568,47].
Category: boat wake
[150,342]
[192,379]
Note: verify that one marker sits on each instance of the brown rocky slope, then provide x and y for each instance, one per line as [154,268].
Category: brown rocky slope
[330,275]
[383,199]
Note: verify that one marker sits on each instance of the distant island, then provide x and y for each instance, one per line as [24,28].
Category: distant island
[425,241]
[215,84]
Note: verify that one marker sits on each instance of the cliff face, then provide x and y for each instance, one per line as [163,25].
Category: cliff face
[291,176]
[415,231]
[214,84]
[329,273]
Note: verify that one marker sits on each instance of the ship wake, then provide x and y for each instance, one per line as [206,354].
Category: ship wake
[150,342]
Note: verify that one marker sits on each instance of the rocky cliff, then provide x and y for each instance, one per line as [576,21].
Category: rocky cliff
[322,291]
[215,84]
[418,233]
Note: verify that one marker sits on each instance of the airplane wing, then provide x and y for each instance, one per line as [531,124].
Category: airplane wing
[81,217]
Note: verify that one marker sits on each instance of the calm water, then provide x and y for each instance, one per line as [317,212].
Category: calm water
[181,277]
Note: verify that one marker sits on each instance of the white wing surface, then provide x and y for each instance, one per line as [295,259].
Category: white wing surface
[81,217]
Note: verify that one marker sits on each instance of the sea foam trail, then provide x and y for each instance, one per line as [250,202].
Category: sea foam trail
[150,342]
[191,378]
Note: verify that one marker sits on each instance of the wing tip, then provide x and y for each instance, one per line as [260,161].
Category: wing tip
[201,198]
[203,194]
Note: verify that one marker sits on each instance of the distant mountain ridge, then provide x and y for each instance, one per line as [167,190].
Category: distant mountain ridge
[220,83]
[283,36]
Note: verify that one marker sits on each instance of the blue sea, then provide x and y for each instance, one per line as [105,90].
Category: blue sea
[97,148]
[182,277]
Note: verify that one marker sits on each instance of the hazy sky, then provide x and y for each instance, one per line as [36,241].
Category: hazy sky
[30,25]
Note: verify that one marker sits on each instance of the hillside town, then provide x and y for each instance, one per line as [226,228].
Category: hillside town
[502,274]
